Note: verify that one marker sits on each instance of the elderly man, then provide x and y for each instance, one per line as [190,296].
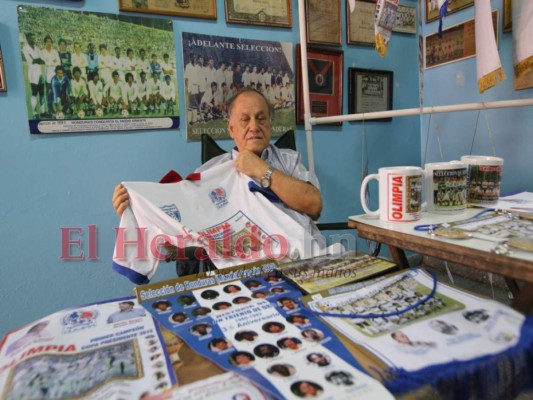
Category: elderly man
[277,170]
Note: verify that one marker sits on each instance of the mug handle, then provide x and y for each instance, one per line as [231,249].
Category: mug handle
[367,179]
[424,205]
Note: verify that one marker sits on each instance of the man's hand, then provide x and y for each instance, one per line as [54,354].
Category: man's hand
[250,164]
[121,199]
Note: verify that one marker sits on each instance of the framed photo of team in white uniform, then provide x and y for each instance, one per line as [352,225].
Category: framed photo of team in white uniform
[215,68]
[93,72]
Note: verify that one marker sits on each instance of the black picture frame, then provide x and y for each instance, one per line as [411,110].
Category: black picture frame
[370,90]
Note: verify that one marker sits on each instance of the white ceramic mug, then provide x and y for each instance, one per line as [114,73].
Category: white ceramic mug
[400,194]
[484,178]
[446,190]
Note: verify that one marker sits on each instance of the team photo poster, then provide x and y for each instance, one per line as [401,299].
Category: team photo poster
[93,72]
[107,350]
[217,67]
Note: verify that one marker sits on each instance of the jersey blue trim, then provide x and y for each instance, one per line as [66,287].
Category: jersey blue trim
[133,276]
[268,193]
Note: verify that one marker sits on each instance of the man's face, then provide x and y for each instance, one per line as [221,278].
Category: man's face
[59,73]
[77,48]
[249,124]
[124,306]
[31,40]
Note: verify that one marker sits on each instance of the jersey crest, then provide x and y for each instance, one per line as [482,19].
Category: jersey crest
[218,197]
[172,211]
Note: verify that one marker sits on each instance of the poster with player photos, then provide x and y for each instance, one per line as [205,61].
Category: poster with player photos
[95,351]
[451,326]
[248,320]
[217,67]
[94,72]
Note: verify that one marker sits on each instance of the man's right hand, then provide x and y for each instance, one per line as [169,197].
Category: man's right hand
[121,199]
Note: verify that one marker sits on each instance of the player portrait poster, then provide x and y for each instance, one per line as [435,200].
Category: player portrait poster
[94,72]
[248,320]
[217,67]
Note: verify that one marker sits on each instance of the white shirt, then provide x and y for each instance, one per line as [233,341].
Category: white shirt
[201,213]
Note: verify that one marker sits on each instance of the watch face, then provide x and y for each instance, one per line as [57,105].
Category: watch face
[265,183]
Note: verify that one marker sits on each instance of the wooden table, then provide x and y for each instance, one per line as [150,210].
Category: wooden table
[475,253]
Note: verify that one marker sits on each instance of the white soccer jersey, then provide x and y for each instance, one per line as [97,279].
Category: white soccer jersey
[79,88]
[168,91]
[218,211]
[51,61]
[34,70]
[114,90]
[131,92]
[80,61]
[153,87]
[96,91]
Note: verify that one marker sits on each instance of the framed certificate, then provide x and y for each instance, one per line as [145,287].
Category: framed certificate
[325,69]
[432,8]
[369,90]
[360,23]
[323,21]
[3,86]
[206,9]
[264,12]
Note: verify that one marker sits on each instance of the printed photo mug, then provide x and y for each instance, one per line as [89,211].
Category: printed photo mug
[484,178]
[446,191]
[400,194]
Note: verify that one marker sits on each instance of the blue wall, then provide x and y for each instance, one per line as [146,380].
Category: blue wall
[67,180]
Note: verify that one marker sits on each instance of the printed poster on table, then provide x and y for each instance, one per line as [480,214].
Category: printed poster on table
[102,351]
[217,67]
[249,321]
[94,72]
[451,326]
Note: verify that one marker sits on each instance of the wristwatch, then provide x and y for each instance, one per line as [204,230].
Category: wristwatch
[265,180]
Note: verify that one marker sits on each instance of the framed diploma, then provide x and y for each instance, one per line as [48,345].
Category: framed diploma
[325,69]
[206,9]
[264,12]
[369,90]
[323,21]
[360,23]
[432,8]
[3,86]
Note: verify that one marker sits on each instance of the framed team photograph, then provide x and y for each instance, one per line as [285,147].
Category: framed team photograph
[264,12]
[369,90]
[507,16]
[325,70]
[405,20]
[432,8]
[121,76]
[206,9]
[360,23]
[3,85]
[458,42]
[323,22]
